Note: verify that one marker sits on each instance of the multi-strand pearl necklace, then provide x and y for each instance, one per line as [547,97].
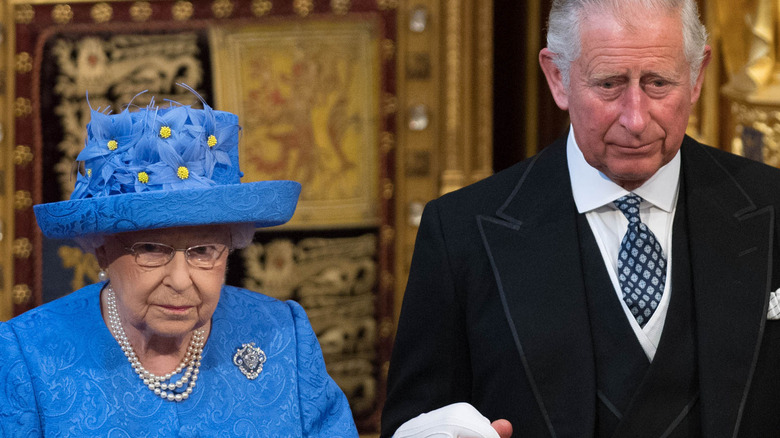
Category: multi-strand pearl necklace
[160,385]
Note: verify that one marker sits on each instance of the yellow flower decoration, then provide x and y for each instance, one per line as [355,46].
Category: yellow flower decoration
[212,141]
[165,131]
[183,172]
[112,145]
[89,173]
[143,177]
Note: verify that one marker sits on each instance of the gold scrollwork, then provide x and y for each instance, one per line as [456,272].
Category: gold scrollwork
[182,10]
[389,104]
[62,14]
[387,234]
[101,13]
[387,142]
[22,107]
[303,7]
[140,11]
[388,49]
[22,294]
[83,265]
[24,62]
[340,7]
[261,7]
[22,199]
[24,14]
[22,248]
[22,155]
[222,8]
[387,188]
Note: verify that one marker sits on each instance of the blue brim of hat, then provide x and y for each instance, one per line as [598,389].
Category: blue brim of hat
[264,203]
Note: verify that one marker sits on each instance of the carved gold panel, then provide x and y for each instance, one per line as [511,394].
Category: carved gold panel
[445,100]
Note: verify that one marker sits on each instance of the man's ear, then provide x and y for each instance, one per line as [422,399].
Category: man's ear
[700,78]
[554,79]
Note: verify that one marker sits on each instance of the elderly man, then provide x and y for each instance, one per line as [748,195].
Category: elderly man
[618,284]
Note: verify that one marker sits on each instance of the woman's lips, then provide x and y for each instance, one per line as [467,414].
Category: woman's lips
[175,309]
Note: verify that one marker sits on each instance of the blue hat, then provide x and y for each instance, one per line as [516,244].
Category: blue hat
[163,167]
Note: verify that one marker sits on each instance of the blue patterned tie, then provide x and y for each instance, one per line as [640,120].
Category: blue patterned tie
[641,263]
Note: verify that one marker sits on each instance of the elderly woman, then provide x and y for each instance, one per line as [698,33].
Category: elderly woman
[161,347]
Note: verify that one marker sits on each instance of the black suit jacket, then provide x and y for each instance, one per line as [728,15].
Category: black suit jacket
[495,314]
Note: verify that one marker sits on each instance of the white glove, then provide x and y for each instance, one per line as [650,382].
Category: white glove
[458,420]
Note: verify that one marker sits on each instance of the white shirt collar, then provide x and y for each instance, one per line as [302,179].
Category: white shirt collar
[592,189]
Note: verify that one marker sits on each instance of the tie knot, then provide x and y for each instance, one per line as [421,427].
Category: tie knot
[629,205]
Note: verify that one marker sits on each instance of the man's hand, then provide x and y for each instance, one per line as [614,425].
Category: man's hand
[503,427]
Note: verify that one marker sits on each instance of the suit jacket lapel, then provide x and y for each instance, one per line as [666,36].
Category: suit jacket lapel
[730,247]
[533,248]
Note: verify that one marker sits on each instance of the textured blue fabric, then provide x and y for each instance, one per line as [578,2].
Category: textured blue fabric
[641,263]
[163,167]
[264,203]
[63,374]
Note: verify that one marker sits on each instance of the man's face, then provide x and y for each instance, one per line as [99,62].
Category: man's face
[630,95]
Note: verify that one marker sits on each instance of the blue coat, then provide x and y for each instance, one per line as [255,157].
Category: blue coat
[63,374]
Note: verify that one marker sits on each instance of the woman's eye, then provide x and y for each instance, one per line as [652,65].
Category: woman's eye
[201,250]
[151,248]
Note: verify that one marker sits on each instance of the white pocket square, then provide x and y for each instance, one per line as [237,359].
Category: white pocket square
[774,306]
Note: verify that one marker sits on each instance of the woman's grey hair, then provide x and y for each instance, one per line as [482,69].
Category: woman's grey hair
[563,32]
[241,235]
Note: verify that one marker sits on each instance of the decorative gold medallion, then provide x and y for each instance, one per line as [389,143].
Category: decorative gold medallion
[249,359]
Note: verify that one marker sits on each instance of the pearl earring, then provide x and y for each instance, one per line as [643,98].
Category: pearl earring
[102,275]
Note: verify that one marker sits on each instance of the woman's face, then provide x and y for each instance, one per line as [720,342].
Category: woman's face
[170,300]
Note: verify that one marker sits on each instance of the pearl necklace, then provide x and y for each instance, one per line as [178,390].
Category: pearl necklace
[160,385]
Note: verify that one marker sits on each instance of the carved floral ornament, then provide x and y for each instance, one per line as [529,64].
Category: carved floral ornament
[140,11]
[62,14]
[101,12]
[261,7]
[22,294]
[22,248]
[24,62]
[303,7]
[222,8]
[24,14]
[182,10]
[22,155]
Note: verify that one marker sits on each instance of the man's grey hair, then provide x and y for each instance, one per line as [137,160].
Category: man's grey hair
[241,235]
[563,32]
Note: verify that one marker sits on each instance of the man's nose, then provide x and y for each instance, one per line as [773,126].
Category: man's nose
[635,113]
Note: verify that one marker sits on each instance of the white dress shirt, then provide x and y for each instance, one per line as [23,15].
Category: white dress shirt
[593,195]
